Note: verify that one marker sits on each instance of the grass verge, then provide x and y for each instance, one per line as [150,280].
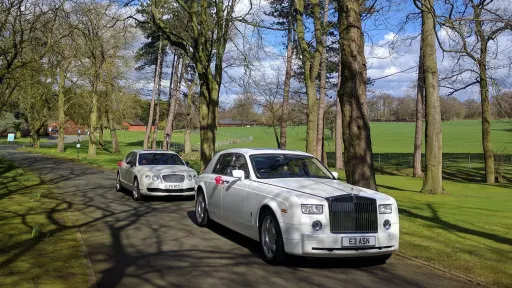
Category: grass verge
[35,249]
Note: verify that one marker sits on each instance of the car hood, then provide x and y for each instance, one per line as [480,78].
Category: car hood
[166,169]
[323,187]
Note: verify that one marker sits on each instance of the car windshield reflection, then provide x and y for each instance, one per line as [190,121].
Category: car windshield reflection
[271,166]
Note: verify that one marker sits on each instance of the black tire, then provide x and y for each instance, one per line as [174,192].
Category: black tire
[136,190]
[119,187]
[202,219]
[279,255]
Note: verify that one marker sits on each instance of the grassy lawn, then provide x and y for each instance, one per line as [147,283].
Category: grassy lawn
[35,251]
[467,231]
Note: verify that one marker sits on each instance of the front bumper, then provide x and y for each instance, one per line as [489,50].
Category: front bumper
[150,188]
[303,241]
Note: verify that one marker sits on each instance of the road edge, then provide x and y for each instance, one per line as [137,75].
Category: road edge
[92,283]
[454,274]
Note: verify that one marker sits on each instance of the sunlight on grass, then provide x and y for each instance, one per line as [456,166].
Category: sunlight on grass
[34,251]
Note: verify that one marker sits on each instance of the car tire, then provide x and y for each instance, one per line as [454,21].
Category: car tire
[119,187]
[271,239]
[202,217]
[136,190]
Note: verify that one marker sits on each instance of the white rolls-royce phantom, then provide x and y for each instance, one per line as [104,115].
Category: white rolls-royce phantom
[292,204]
[155,173]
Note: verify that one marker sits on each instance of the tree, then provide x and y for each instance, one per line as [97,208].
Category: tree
[311,64]
[243,108]
[472,109]
[352,96]
[174,92]
[323,82]
[156,78]
[284,11]
[100,37]
[210,24]
[418,131]
[433,179]
[190,82]
[471,35]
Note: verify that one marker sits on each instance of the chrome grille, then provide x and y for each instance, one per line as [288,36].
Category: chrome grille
[352,214]
[173,178]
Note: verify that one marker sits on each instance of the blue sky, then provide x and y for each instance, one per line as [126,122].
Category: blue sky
[391,50]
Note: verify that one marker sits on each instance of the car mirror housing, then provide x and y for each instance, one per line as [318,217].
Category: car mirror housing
[187,164]
[335,174]
[240,174]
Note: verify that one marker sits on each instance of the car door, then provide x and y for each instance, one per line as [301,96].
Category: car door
[215,196]
[130,169]
[124,168]
[234,193]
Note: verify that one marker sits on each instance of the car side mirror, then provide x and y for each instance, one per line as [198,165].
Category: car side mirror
[240,174]
[335,174]
[129,163]
[187,164]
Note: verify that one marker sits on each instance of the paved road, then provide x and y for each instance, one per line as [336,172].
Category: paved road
[156,243]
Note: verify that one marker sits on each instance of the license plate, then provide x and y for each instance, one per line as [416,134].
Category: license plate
[358,241]
[175,186]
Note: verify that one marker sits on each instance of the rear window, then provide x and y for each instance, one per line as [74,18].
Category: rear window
[146,159]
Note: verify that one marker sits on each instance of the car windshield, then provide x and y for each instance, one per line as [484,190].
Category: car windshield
[146,159]
[270,166]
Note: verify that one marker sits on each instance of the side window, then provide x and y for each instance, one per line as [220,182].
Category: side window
[223,165]
[128,157]
[240,163]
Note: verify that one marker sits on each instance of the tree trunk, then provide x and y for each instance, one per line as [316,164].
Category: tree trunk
[113,135]
[311,63]
[338,134]
[208,120]
[101,143]
[484,99]
[155,127]
[93,125]
[323,79]
[276,135]
[177,76]
[35,140]
[486,124]
[187,147]
[433,179]
[352,94]
[62,114]
[152,106]
[418,132]
[157,118]
[287,79]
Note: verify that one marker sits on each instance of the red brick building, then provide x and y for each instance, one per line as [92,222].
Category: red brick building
[70,127]
[134,125]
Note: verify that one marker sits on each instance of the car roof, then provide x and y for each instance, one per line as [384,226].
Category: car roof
[253,151]
[153,151]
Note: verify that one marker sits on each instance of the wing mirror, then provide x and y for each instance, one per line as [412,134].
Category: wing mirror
[129,163]
[187,164]
[240,174]
[335,174]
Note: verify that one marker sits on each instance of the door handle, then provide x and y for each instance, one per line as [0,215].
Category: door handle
[225,182]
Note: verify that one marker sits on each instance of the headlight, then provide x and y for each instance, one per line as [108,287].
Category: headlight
[155,178]
[385,209]
[312,209]
[147,177]
[189,177]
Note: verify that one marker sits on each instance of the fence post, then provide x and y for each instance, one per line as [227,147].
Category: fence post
[469,157]
[379,158]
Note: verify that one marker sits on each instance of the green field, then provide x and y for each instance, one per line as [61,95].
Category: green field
[35,249]
[466,231]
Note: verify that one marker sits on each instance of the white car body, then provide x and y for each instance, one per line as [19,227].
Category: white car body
[238,204]
[169,179]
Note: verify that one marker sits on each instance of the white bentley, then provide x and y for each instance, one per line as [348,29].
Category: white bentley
[155,173]
[292,204]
